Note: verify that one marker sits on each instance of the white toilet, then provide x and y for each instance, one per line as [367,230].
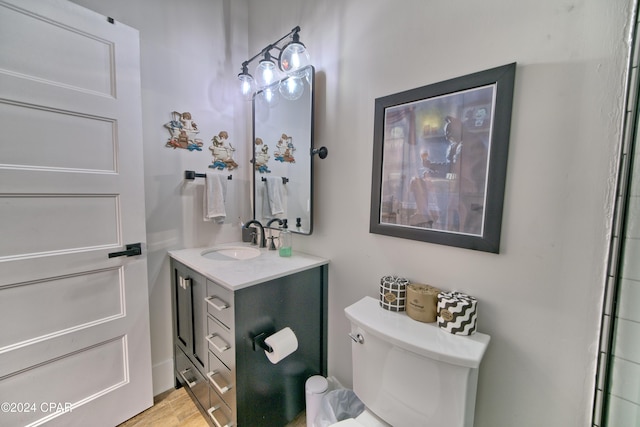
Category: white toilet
[411,374]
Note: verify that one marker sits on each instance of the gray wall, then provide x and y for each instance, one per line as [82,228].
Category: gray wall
[539,298]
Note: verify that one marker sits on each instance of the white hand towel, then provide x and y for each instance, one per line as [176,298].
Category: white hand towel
[215,192]
[274,192]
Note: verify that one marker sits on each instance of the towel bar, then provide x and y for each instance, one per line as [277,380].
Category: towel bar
[284,179]
[193,175]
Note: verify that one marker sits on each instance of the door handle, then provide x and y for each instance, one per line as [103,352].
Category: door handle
[132,250]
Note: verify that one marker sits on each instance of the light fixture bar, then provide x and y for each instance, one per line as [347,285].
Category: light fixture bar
[248,83]
[271,46]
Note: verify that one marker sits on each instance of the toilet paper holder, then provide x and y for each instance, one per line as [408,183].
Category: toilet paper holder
[258,340]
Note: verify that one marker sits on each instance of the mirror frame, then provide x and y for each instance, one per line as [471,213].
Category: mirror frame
[306,151]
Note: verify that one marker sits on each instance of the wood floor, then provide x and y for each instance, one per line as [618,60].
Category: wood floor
[174,408]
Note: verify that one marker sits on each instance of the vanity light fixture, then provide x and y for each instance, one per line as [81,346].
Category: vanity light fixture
[292,88]
[247,83]
[270,95]
[266,71]
[292,57]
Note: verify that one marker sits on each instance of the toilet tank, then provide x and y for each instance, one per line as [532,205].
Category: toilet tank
[413,374]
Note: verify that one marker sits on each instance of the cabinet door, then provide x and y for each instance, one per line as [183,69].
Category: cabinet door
[191,315]
[183,312]
[198,286]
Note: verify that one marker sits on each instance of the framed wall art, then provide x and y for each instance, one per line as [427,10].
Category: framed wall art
[440,160]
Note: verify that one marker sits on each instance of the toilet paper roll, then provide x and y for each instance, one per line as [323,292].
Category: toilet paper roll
[284,342]
[457,313]
[422,302]
[393,294]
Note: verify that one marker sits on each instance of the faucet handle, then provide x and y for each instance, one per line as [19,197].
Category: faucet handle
[272,245]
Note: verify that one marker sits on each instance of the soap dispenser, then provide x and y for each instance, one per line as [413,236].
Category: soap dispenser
[285,239]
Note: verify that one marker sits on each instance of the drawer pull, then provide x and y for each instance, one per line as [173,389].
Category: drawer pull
[216,303]
[191,384]
[221,390]
[213,417]
[218,343]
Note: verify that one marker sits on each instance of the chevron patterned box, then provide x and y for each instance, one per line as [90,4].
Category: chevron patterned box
[457,313]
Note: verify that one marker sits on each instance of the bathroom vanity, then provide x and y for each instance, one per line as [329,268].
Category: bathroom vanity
[225,301]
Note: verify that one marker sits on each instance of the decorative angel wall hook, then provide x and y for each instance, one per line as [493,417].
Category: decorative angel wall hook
[222,152]
[285,149]
[261,156]
[183,132]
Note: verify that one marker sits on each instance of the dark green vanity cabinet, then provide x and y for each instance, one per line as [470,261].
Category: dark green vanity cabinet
[216,358]
[190,352]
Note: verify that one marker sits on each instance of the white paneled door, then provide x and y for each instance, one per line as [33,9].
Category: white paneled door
[74,322]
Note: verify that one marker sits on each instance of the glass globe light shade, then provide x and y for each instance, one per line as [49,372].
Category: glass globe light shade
[292,88]
[266,73]
[271,95]
[247,85]
[293,57]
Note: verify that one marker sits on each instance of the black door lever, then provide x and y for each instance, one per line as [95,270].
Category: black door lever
[132,250]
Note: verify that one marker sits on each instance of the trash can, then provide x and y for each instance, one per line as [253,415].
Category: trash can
[337,405]
[315,388]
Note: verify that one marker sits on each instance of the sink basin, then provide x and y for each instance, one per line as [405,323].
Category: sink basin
[231,253]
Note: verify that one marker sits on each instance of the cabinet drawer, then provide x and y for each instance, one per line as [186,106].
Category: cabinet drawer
[220,413]
[220,303]
[221,380]
[220,342]
[189,376]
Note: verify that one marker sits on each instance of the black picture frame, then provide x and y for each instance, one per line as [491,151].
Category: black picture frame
[440,160]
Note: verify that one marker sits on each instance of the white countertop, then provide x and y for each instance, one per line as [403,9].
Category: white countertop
[238,274]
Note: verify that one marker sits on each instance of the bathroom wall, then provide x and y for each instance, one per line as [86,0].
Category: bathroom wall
[540,298]
[191,52]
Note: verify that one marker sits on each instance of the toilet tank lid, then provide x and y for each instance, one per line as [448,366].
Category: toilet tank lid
[426,339]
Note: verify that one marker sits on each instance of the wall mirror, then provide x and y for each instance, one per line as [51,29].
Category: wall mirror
[283,151]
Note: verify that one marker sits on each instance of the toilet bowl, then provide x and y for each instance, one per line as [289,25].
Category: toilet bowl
[408,373]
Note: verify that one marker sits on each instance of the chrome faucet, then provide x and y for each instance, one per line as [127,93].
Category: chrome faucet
[263,240]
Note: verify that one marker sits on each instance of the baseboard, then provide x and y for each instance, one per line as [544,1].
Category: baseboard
[163,377]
